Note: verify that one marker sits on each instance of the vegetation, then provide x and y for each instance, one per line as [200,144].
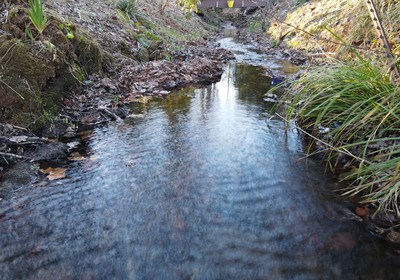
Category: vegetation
[353,109]
[189,5]
[36,15]
[127,9]
[348,19]
[349,108]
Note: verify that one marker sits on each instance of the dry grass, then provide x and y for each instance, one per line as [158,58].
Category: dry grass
[349,19]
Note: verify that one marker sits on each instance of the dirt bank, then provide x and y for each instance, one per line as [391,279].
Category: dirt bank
[90,54]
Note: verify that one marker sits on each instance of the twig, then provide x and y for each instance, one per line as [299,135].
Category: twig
[344,151]
[12,155]
[12,89]
[110,114]
[9,49]
[19,127]
[5,160]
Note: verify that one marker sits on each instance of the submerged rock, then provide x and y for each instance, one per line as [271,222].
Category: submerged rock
[50,151]
[22,174]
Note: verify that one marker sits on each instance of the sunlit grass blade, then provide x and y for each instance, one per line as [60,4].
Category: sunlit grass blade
[36,15]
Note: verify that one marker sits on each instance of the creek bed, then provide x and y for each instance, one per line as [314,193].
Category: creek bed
[199,185]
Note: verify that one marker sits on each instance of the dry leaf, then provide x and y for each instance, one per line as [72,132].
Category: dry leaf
[83,135]
[362,211]
[76,156]
[55,173]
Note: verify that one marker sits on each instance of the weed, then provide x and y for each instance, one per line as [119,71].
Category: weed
[188,5]
[257,26]
[35,167]
[167,57]
[116,100]
[28,33]
[127,9]
[68,29]
[36,15]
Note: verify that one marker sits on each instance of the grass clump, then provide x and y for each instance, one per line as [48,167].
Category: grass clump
[354,110]
[36,15]
[127,9]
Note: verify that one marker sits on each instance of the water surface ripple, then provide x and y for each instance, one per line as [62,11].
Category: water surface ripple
[196,186]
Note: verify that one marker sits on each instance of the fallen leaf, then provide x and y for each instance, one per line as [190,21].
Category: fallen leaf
[76,157]
[83,135]
[55,173]
[362,212]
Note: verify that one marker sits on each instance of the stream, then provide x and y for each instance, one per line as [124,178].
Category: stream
[202,184]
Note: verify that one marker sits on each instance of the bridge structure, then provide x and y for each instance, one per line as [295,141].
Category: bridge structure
[231,3]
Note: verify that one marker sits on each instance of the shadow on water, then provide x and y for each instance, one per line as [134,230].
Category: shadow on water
[193,186]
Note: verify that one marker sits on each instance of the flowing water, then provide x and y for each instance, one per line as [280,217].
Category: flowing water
[200,185]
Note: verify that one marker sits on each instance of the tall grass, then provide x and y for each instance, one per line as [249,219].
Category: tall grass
[358,108]
[36,15]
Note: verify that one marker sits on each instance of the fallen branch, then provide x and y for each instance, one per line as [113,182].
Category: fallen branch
[110,114]
[19,127]
[12,155]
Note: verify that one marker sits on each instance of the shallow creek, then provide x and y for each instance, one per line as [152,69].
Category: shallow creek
[199,185]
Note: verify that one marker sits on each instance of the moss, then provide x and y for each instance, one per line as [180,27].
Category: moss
[23,75]
[36,73]
[17,21]
[89,53]
[77,72]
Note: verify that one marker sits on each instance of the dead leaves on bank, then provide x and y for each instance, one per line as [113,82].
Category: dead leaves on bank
[158,78]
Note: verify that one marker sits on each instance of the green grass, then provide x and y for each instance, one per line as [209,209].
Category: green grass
[127,9]
[36,15]
[361,108]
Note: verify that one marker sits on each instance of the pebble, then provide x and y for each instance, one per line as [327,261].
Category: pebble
[394,237]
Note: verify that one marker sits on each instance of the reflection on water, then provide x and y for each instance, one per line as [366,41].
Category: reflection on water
[246,53]
[195,186]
